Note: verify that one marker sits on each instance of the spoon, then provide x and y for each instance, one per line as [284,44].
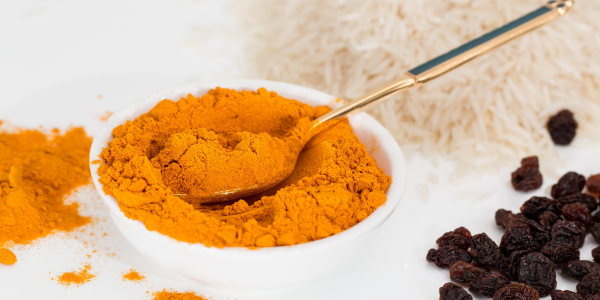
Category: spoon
[417,76]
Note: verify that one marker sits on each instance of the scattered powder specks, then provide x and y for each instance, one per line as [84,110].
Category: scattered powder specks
[76,277]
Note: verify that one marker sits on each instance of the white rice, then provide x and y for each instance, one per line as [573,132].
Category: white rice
[487,114]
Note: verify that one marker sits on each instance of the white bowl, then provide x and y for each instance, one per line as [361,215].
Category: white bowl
[265,268]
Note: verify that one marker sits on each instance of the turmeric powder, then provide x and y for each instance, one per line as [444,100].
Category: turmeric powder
[36,172]
[76,277]
[7,257]
[334,185]
[166,295]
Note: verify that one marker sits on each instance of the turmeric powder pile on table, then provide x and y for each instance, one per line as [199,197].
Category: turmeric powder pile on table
[36,172]
[335,183]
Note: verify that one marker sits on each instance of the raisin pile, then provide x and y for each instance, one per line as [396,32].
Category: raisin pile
[546,235]
[528,176]
[562,127]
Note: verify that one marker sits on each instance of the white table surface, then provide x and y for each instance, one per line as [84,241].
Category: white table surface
[65,63]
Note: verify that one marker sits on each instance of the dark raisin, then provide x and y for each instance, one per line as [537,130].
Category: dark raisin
[451,291]
[560,252]
[562,127]
[509,266]
[547,219]
[460,237]
[577,269]
[587,199]
[528,176]
[593,184]
[516,291]
[463,272]
[504,217]
[541,236]
[535,206]
[517,237]
[596,254]
[565,295]
[444,257]
[595,230]
[537,271]
[568,232]
[590,284]
[487,284]
[577,212]
[596,217]
[569,183]
[485,251]
[591,297]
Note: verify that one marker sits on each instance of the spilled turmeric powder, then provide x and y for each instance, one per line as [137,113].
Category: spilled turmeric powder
[79,277]
[36,172]
[7,257]
[133,275]
[335,183]
[166,295]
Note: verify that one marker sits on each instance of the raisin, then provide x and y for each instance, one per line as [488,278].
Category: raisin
[578,212]
[565,295]
[444,257]
[504,217]
[509,266]
[528,176]
[578,269]
[547,219]
[568,232]
[569,183]
[485,251]
[595,230]
[451,291]
[535,206]
[596,217]
[562,127]
[590,284]
[517,237]
[587,199]
[537,271]
[541,236]
[596,254]
[460,238]
[463,272]
[560,252]
[516,291]
[487,284]
[593,184]
[591,297]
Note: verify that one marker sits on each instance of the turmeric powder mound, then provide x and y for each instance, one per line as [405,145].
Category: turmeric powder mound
[36,172]
[335,183]
[133,275]
[76,277]
[166,295]
[7,257]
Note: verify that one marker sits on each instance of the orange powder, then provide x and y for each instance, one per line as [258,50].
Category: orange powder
[7,257]
[133,275]
[334,186]
[76,277]
[165,295]
[36,173]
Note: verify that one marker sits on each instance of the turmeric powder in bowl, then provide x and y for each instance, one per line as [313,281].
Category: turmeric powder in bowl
[335,183]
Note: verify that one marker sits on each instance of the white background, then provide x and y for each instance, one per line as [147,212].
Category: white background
[65,63]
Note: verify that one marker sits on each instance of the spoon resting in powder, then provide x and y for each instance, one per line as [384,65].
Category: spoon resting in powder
[277,163]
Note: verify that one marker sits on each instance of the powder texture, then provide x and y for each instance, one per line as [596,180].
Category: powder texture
[7,257]
[133,275]
[165,295]
[76,277]
[335,184]
[36,172]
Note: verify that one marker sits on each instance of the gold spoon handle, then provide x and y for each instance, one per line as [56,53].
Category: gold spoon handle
[456,58]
